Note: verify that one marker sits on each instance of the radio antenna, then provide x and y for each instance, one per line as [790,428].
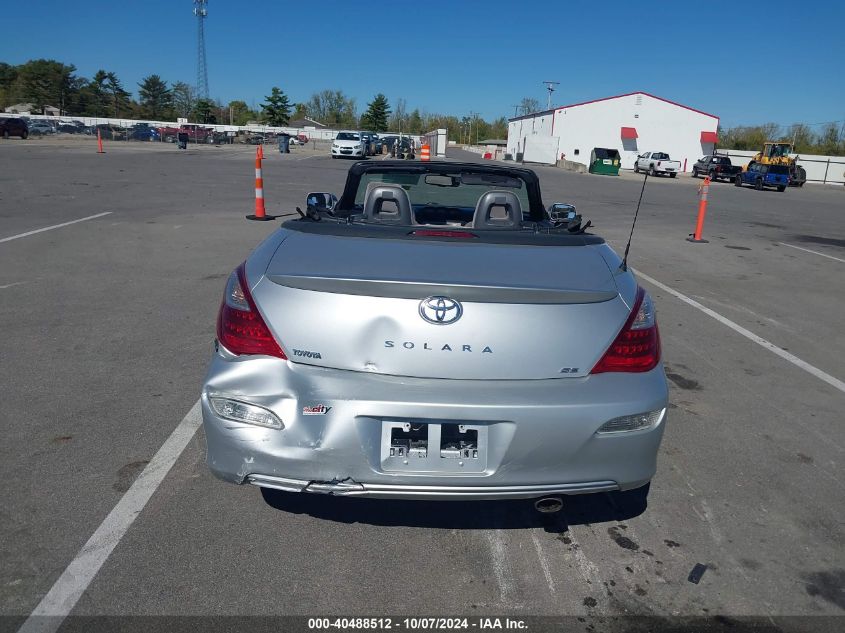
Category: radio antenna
[624,265]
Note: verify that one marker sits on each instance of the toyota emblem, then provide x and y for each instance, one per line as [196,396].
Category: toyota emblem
[440,310]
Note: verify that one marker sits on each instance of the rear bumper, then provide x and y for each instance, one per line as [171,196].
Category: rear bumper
[349,488]
[540,434]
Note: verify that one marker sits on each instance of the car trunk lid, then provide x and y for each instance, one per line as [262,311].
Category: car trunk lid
[389,306]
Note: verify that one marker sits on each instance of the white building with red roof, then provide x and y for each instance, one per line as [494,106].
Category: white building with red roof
[632,124]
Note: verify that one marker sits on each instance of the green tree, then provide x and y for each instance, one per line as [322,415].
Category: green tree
[118,97]
[300,111]
[240,113]
[155,97]
[277,109]
[184,99]
[8,76]
[499,128]
[96,94]
[333,108]
[46,82]
[829,142]
[802,138]
[204,111]
[415,123]
[378,111]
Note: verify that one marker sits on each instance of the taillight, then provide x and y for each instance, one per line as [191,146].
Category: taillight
[240,327]
[637,346]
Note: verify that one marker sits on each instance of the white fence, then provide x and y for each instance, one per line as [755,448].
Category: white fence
[321,134]
[822,169]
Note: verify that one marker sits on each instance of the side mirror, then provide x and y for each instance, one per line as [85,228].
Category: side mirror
[562,212]
[321,202]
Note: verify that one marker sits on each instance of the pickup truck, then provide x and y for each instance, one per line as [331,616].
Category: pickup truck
[716,167]
[762,176]
[657,163]
[196,133]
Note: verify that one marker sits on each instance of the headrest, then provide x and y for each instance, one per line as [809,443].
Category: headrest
[497,210]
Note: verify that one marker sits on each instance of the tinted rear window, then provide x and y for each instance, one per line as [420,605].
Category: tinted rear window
[779,169]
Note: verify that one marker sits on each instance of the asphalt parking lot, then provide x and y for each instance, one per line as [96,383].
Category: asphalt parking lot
[108,326]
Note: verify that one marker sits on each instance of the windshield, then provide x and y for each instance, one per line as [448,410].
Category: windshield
[348,136]
[445,198]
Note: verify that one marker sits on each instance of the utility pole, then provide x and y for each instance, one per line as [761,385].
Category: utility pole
[472,116]
[550,86]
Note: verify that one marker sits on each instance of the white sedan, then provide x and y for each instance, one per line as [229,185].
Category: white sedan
[349,144]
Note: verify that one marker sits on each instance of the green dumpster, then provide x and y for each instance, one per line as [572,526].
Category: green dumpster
[604,161]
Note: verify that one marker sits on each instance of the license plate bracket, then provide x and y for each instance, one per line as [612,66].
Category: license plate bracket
[427,446]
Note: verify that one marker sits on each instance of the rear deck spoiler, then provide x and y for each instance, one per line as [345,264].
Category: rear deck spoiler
[400,289]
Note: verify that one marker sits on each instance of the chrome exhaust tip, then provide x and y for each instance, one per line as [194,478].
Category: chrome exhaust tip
[548,505]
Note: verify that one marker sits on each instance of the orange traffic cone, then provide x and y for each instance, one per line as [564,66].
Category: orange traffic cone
[260,211]
[99,142]
[703,190]
[261,151]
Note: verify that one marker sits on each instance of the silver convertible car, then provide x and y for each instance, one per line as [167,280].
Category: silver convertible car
[435,333]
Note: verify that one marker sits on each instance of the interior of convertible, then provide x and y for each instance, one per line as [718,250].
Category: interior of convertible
[470,199]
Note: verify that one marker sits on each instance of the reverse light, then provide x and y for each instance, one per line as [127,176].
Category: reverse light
[238,411]
[637,346]
[240,327]
[628,423]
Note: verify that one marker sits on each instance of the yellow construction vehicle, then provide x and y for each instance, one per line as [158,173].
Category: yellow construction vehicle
[779,154]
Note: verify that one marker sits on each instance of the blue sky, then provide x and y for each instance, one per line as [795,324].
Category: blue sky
[784,63]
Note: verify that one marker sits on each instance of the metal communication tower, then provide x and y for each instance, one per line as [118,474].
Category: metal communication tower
[201,11]
[550,86]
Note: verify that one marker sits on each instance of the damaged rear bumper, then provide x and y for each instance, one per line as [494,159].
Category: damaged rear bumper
[526,438]
[351,488]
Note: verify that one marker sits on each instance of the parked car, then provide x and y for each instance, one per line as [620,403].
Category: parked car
[657,163]
[762,176]
[356,374]
[349,144]
[110,132]
[716,167]
[388,141]
[143,132]
[13,127]
[41,127]
[372,145]
[402,148]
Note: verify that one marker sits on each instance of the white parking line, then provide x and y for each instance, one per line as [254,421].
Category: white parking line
[807,250]
[544,563]
[50,228]
[54,607]
[810,369]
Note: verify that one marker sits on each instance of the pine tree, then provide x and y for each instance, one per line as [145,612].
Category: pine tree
[155,96]
[277,109]
[375,118]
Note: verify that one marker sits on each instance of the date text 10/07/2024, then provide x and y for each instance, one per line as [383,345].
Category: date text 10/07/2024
[416,624]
